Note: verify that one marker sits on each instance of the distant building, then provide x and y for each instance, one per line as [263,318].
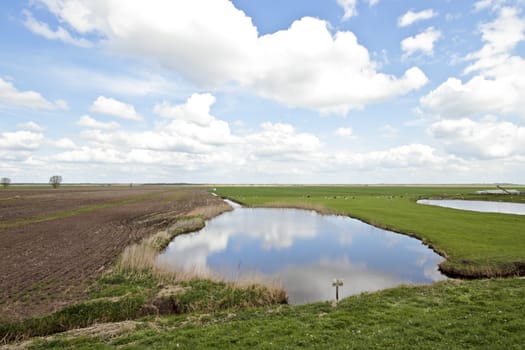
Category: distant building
[498,192]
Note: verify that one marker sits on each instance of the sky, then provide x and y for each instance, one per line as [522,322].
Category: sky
[263,91]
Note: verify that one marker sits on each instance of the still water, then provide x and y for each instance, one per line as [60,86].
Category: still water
[481,206]
[304,251]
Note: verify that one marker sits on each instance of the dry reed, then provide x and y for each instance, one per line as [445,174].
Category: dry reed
[140,260]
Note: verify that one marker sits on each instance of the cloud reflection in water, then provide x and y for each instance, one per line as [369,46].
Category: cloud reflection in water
[305,251]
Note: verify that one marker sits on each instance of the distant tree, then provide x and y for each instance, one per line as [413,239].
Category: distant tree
[5,181]
[55,180]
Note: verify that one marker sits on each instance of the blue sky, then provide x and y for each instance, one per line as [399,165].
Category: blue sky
[243,91]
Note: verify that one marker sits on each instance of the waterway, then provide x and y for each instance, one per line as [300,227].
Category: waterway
[304,251]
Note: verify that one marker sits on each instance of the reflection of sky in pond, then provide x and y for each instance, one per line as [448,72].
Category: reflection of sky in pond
[481,206]
[305,251]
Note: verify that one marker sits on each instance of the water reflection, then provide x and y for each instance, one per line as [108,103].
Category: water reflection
[481,206]
[305,251]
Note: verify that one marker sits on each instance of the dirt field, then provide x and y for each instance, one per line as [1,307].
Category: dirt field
[49,264]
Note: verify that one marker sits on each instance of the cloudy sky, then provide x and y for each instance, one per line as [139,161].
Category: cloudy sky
[253,91]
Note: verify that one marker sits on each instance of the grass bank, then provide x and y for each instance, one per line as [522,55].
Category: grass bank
[480,314]
[475,245]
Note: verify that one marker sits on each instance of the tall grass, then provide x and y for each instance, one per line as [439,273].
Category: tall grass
[142,256]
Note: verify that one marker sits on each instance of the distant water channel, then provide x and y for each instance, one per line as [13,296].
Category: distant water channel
[481,206]
[305,251]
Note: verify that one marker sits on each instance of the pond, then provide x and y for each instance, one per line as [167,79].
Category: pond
[481,206]
[304,251]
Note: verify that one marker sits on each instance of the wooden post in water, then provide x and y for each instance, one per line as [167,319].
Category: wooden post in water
[337,283]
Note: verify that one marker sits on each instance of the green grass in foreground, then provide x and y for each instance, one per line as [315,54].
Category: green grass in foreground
[475,244]
[481,314]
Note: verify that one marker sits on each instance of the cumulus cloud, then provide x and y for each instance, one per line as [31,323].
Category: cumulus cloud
[60,33]
[422,42]
[454,99]
[281,141]
[20,140]
[305,65]
[114,108]
[406,156]
[411,17]
[196,109]
[489,4]
[389,131]
[30,126]
[501,37]
[9,95]
[65,143]
[87,122]
[344,132]
[499,85]
[485,139]
[349,8]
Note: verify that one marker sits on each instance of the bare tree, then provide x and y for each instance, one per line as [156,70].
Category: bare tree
[55,180]
[5,181]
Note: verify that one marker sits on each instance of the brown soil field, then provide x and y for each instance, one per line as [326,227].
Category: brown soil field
[49,264]
[23,204]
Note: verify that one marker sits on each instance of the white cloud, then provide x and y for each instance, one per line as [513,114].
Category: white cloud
[501,37]
[489,4]
[349,8]
[127,83]
[453,99]
[92,155]
[389,131]
[20,140]
[30,126]
[9,95]
[482,4]
[61,34]
[88,122]
[422,42]
[305,65]
[114,108]
[192,131]
[485,139]
[65,143]
[498,87]
[344,132]
[406,156]
[412,17]
[196,109]
[281,141]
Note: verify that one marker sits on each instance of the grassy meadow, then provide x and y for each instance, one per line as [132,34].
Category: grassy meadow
[477,312]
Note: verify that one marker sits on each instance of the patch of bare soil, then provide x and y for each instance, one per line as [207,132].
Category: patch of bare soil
[24,204]
[47,265]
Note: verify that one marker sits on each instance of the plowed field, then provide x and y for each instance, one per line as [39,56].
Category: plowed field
[54,242]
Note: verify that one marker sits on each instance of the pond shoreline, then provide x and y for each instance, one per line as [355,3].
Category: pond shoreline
[376,259]
[466,271]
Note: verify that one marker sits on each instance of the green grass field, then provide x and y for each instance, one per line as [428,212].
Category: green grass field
[475,244]
[480,314]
